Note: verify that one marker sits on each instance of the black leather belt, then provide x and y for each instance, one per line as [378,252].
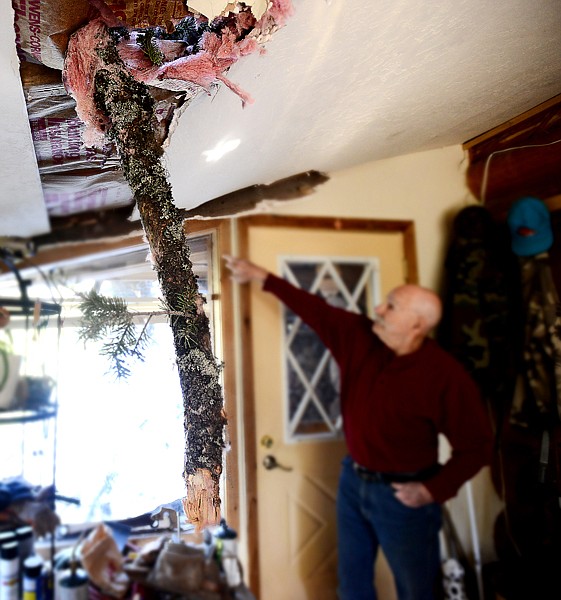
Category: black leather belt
[379,477]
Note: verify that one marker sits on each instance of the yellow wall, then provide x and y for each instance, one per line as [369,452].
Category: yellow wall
[428,188]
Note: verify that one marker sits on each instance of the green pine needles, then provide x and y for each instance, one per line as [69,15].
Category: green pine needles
[186,309]
[109,320]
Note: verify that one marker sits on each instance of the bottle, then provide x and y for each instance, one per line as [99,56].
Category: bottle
[62,562]
[9,571]
[227,549]
[47,581]
[7,536]
[32,581]
[26,543]
[73,584]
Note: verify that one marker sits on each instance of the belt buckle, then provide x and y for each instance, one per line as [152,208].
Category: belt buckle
[364,473]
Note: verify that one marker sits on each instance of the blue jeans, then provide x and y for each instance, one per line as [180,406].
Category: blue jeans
[369,516]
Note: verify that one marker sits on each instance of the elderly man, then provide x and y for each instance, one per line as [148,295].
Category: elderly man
[399,390]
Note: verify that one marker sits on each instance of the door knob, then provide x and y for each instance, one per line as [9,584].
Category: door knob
[270,462]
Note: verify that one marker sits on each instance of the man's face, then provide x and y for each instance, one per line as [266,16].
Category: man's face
[395,319]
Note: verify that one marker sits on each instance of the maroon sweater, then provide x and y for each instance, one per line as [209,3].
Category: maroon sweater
[394,407]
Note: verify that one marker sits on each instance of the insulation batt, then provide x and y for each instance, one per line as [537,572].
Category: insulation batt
[242,36]
[138,63]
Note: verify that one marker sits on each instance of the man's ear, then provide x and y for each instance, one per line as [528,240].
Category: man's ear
[419,326]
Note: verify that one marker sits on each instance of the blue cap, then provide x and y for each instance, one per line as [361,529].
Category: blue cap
[530,226]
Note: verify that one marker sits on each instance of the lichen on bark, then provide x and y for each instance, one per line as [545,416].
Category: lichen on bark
[128,109]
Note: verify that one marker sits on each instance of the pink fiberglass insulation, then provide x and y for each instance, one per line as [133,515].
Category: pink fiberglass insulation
[78,75]
[137,61]
[219,46]
[207,66]
[276,15]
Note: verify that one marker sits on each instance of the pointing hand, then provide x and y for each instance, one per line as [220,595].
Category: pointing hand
[244,271]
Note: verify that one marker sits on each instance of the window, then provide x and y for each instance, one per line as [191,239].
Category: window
[117,446]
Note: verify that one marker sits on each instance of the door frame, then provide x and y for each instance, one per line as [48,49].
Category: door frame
[241,227]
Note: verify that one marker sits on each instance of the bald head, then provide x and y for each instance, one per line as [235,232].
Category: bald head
[406,317]
[425,303]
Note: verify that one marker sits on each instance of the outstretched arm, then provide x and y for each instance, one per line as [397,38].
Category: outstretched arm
[332,324]
[244,271]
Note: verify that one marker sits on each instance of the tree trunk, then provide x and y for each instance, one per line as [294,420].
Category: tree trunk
[128,107]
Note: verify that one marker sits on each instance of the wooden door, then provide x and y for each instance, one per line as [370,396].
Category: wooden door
[294,520]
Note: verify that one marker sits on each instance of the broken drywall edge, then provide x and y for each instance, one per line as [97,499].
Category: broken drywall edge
[214,8]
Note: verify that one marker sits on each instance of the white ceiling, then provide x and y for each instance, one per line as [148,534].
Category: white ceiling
[345,82]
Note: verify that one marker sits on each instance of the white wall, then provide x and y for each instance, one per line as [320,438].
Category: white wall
[428,188]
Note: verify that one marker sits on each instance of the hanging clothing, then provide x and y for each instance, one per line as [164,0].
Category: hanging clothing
[481,309]
[541,400]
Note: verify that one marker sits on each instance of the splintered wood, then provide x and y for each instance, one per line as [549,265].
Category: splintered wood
[199,506]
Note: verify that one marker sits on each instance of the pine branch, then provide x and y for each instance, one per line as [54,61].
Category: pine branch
[101,314]
[110,320]
[121,348]
[105,318]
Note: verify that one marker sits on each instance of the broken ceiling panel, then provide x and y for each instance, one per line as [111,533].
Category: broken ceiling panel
[214,8]
[338,87]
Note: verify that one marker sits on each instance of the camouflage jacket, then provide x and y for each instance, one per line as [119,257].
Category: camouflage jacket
[541,397]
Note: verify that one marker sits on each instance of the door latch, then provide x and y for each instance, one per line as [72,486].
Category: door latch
[270,462]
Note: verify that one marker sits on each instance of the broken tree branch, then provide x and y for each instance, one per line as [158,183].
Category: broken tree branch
[247,199]
[107,223]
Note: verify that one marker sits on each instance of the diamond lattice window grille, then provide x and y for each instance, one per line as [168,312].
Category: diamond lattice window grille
[311,374]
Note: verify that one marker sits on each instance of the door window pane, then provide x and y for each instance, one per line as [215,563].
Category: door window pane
[312,376]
